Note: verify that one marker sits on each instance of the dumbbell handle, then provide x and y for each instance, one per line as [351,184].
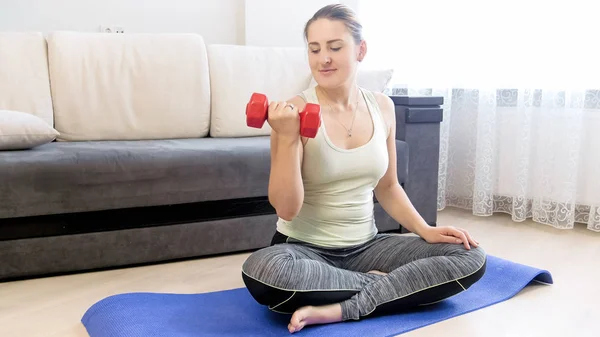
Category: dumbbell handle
[257,113]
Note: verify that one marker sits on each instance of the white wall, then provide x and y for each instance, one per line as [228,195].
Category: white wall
[253,22]
[281,22]
[218,21]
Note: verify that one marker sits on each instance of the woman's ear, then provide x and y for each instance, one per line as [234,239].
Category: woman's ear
[362,50]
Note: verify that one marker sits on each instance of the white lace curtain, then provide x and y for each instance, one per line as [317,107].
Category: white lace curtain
[522,100]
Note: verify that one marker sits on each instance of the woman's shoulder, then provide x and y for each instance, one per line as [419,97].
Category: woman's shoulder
[386,107]
[383,98]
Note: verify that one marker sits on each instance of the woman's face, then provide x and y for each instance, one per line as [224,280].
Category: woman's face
[332,53]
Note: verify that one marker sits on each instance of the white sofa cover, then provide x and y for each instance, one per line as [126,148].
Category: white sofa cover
[100,87]
[129,87]
[24,82]
[238,71]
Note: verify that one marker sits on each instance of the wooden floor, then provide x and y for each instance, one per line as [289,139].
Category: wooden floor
[571,307]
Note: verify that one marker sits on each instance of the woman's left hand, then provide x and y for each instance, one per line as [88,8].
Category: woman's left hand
[449,234]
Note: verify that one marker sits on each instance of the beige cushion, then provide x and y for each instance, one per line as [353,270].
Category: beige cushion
[24,83]
[371,79]
[238,71]
[21,130]
[129,86]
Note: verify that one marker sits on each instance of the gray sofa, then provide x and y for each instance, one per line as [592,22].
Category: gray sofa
[67,206]
[80,205]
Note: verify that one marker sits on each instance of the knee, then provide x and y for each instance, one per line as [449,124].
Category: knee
[253,263]
[477,255]
[469,260]
[475,260]
[263,273]
[267,265]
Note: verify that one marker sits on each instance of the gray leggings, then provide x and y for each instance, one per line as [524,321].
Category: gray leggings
[290,274]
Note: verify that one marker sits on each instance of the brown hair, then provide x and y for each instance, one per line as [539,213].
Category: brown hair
[338,12]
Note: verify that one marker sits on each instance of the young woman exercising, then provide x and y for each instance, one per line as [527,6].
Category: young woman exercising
[327,261]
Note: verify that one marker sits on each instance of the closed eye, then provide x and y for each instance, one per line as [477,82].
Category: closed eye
[334,49]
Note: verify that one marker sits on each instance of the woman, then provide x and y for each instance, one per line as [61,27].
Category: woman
[327,262]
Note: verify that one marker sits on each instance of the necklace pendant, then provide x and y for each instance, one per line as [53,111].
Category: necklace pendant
[349,134]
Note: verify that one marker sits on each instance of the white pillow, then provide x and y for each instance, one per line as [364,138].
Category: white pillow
[375,80]
[21,131]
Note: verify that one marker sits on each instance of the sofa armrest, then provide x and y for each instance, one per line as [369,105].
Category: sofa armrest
[418,124]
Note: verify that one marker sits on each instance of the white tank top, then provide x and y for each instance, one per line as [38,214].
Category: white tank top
[338,185]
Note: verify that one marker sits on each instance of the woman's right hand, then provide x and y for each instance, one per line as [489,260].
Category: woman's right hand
[284,119]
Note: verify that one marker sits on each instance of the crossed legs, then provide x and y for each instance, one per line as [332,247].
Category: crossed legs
[322,285]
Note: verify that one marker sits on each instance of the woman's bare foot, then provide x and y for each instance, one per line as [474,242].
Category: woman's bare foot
[377,272]
[315,315]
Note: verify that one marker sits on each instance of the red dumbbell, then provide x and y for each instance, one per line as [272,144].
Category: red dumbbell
[258,107]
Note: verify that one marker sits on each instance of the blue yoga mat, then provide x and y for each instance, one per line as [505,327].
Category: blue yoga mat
[235,313]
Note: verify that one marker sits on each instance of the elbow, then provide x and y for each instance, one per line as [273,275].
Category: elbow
[286,211]
[385,191]
[385,187]
[287,215]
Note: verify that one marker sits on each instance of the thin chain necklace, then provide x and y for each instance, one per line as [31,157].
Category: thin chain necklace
[348,130]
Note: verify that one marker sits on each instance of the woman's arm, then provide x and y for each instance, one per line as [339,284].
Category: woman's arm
[394,200]
[286,190]
[388,191]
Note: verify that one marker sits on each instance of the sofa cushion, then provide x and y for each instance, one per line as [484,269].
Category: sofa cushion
[24,82]
[238,71]
[129,86]
[22,131]
[65,177]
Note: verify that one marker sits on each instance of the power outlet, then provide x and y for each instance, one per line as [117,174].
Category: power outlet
[112,29]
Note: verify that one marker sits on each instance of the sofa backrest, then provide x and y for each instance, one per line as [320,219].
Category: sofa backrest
[96,86]
[238,71]
[130,86]
[280,73]
[24,82]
